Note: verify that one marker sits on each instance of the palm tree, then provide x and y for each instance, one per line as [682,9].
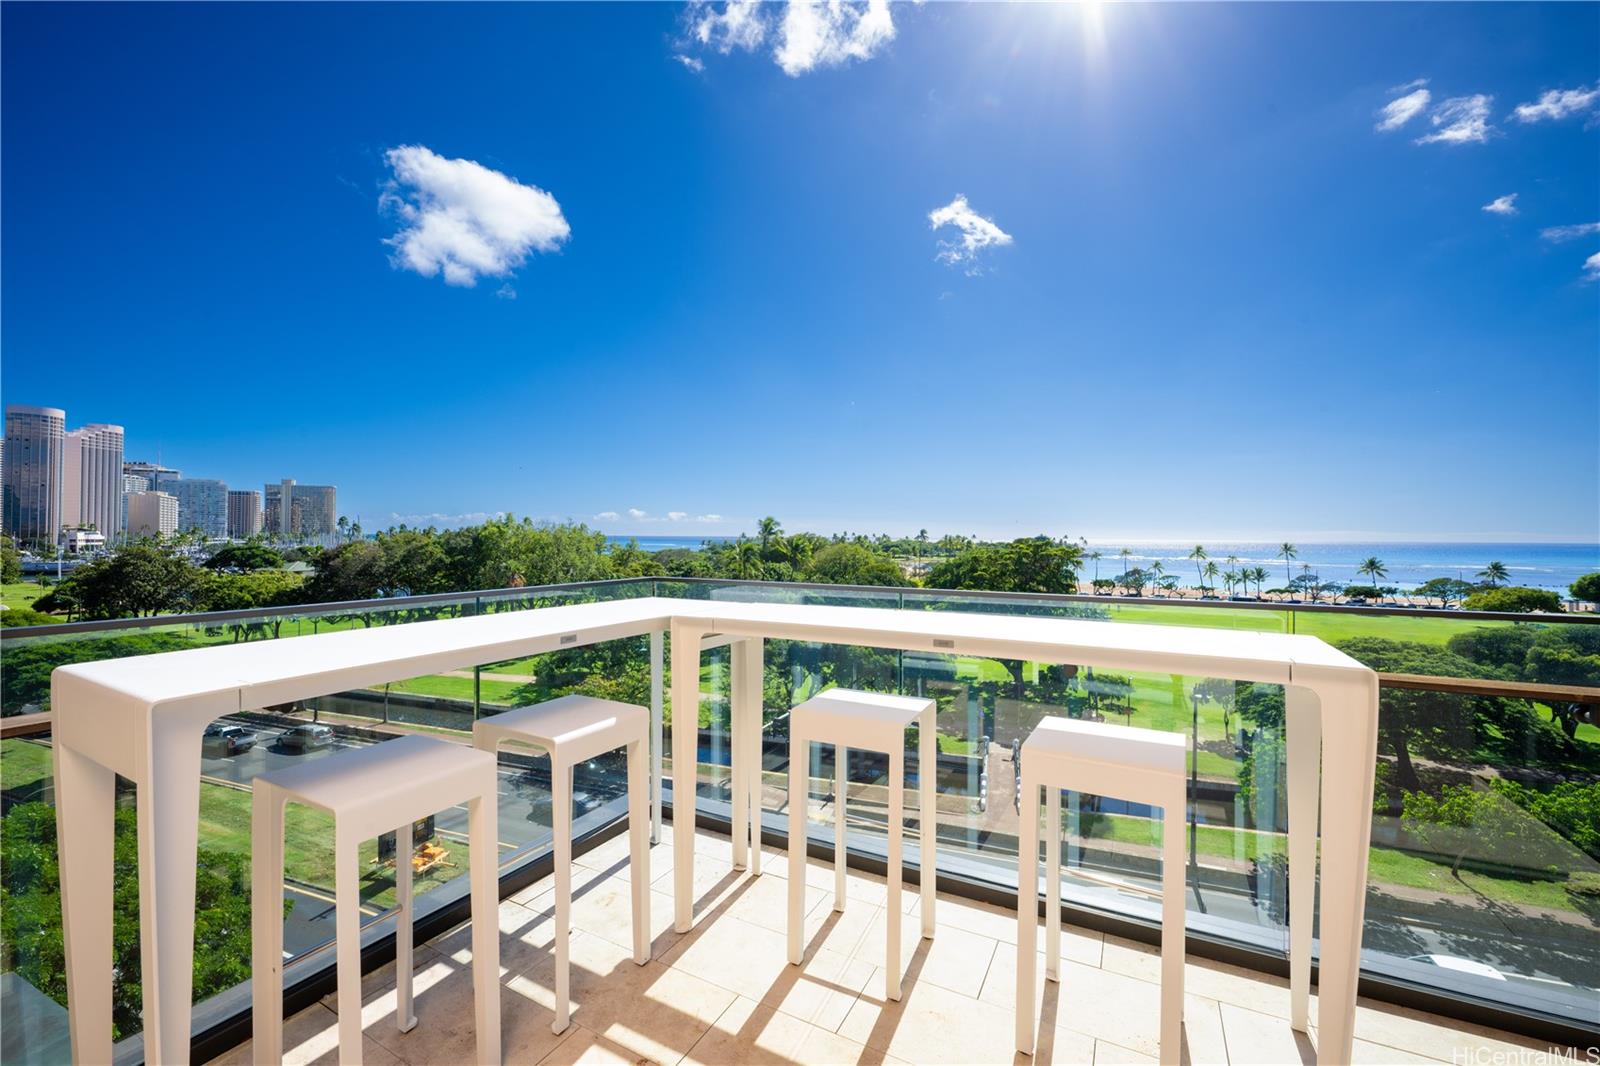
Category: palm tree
[1230,578]
[1495,573]
[1260,574]
[1094,557]
[1287,551]
[1198,554]
[1126,553]
[344,527]
[766,529]
[1373,567]
[1157,568]
[922,541]
[1211,572]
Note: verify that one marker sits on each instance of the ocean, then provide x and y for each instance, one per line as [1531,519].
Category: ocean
[1551,566]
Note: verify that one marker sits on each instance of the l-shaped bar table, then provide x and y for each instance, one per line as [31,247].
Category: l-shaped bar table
[143,717]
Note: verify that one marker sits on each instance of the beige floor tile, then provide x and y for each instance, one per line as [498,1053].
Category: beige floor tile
[1437,1038]
[606,910]
[612,856]
[579,1047]
[765,902]
[1263,993]
[754,962]
[953,958]
[1060,1047]
[932,1025]
[525,936]
[1365,1053]
[583,877]
[755,1034]
[1107,1053]
[311,1036]
[651,1010]
[1256,1039]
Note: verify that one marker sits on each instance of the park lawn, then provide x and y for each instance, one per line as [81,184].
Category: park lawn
[1330,627]
[456,688]
[22,593]
[308,846]
[1386,866]
[1586,732]
[23,764]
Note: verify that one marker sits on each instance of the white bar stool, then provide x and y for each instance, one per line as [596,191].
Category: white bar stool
[574,729]
[1142,765]
[874,721]
[370,791]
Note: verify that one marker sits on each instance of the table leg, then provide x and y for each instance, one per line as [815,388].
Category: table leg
[1027,909]
[685,737]
[1052,883]
[738,791]
[266,924]
[928,815]
[638,853]
[483,833]
[1349,761]
[754,674]
[1303,739]
[169,828]
[85,842]
[561,825]
[894,913]
[347,943]
[405,1018]
[799,760]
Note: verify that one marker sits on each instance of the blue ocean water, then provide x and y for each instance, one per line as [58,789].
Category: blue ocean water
[1551,566]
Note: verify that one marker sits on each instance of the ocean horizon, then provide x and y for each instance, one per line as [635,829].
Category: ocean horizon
[1536,565]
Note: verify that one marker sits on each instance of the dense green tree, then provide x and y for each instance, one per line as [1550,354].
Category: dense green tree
[413,562]
[1446,590]
[26,616]
[630,560]
[1586,588]
[143,578]
[10,561]
[852,564]
[767,531]
[1503,647]
[252,554]
[1514,598]
[248,591]
[351,571]
[1031,564]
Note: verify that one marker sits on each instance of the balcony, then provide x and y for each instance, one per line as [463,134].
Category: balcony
[1483,900]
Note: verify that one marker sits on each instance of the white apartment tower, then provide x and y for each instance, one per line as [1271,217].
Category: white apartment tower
[91,479]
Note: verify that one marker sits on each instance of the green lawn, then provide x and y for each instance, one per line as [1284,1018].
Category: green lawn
[455,688]
[1329,626]
[23,764]
[21,593]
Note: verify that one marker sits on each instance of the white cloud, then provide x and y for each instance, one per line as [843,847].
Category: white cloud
[740,24]
[1502,205]
[1560,234]
[691,62]
[828,34]
[1403,109]
[1591,268]
[464,220]
[977,233]
[809,35]
[708,518]
[607,516]
[1460,120]
[637,515]
[447,521]
[1558,104]
[677,516]
[506,292]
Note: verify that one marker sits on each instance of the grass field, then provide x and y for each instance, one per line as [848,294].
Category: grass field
[21,593]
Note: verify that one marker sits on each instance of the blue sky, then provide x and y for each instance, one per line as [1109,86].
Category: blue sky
[1201,292]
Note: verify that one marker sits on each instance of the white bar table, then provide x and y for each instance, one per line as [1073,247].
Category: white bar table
[1331,710]
[143,717]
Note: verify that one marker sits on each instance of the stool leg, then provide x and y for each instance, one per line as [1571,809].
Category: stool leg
[739,686]
[799,754]
[892,914]
[1303,724]
[841,783]
[483,824]
[639,851]
[561,829]
[266,924]
[1027,908]
[928,813]
[404,1016]
[347,943]
[1172,933]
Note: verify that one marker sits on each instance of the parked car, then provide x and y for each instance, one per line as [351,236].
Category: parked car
[221,738]
[306,737]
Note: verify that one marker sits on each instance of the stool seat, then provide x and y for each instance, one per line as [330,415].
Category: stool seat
[394,771]
[872,720]
[581,726]
[1108,745]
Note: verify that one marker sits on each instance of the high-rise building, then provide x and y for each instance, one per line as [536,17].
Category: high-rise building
[153,473]
[91,479]
[202,504]
[152,514]
[35,445]
[131,483]
[292,510]
[244,513]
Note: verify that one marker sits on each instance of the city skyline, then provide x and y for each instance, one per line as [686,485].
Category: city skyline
[1125,272]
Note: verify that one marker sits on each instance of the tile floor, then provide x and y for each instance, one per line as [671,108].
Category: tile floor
[724,993]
